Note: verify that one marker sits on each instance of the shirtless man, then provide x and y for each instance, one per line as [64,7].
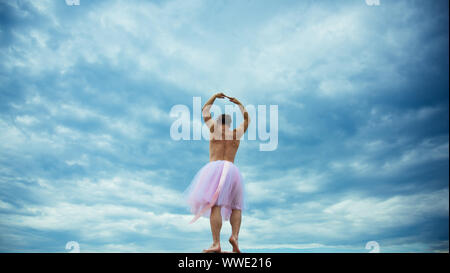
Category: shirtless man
[220,130]
[217,189]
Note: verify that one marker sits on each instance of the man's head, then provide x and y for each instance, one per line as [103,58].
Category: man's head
[224,119]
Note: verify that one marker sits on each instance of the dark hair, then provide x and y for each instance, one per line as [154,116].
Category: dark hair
[224,119]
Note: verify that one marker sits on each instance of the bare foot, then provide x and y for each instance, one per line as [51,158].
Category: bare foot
[234,242]
[212,249]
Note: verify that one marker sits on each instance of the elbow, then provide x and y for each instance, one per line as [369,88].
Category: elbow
[205,112]
[206,118]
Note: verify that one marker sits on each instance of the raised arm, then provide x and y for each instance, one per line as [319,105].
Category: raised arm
[240,131]
[206,110]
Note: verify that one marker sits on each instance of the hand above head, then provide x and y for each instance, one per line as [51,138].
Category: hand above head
[234,100]
[220,95]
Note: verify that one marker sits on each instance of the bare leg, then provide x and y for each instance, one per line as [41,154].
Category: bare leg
[215,220]
[235,221]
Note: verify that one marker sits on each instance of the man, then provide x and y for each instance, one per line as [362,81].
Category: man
[217,189]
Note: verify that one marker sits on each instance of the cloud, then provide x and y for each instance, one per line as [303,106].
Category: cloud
[280,189]
[395,211]
[326,224]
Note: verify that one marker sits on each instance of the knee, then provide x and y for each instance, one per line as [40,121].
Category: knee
[216,209]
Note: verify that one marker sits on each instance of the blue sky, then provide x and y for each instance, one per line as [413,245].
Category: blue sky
[363,140]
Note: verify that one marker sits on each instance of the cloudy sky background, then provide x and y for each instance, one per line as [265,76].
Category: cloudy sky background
[363,111]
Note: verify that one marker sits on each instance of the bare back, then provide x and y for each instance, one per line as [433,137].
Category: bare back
[223,145]
[223,142]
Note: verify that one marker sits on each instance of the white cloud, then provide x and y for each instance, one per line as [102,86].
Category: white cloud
[128,189]
[424,152]
[103,221]
[354,217]
[375,213]
[26,119]
[362,164]
[290,183]
[383,120]
[286,52]
[106,210]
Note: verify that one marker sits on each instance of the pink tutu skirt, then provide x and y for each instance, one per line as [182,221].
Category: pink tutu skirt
[217,183]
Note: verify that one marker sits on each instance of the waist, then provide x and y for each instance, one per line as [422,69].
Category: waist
[222,160]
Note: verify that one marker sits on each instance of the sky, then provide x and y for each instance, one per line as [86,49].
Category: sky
[86,153]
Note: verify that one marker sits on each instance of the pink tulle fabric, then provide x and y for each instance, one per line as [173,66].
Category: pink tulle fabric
[217,183]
